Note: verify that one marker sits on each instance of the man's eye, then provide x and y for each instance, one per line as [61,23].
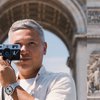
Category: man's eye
[31,43]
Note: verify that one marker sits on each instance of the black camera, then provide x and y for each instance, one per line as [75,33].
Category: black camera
[10,51]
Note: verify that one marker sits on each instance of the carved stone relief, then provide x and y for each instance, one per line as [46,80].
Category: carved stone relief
[93,75]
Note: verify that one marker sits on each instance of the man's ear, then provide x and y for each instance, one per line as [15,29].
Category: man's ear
[45,47]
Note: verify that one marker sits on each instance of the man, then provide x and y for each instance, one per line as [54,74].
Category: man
[33,82]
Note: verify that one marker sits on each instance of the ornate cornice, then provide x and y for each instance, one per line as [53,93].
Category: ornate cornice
[88,38]
[79,37]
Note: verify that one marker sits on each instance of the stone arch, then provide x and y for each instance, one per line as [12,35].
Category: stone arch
[56,16]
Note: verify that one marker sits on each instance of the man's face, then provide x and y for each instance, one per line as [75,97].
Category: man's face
[32,49]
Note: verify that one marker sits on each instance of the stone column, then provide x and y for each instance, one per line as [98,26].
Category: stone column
[93,52]
[81,69]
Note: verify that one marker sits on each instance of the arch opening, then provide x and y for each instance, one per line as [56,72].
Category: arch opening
[55,16]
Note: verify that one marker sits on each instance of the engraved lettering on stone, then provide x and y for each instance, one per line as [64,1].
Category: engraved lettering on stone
[93,16]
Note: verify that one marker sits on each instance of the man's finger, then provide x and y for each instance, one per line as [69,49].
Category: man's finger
[4,63]
[1,57]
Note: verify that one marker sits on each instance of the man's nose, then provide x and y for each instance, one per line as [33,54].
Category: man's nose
[24,49]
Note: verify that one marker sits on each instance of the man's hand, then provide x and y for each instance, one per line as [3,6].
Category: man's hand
[7,74]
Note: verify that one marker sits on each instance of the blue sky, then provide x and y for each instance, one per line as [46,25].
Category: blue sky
[56,56]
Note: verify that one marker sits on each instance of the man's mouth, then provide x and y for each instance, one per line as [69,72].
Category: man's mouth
[25,58]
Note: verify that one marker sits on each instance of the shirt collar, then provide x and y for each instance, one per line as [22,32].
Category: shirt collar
[41,72]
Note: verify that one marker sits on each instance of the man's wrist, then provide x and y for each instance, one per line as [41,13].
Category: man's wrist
[11,88]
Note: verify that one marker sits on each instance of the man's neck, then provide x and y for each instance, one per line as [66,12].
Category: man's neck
[27,75]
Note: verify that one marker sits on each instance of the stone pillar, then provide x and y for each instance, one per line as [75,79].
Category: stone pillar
[93,51]
[81,69]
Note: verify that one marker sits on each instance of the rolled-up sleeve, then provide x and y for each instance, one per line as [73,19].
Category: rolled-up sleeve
[62,89]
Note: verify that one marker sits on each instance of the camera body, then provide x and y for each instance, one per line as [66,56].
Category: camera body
[10,51]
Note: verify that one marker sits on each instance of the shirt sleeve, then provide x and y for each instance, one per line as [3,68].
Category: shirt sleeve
[62,89]
[36,99]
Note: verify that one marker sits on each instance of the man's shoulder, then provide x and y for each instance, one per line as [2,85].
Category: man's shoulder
[62,80]
[48,74]
[59,76]
[54,78]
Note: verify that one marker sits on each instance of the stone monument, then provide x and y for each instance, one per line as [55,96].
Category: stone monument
[93,48]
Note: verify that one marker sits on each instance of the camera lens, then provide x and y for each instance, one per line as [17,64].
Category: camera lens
[6,53]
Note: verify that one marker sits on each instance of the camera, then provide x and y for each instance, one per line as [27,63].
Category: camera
[10,51]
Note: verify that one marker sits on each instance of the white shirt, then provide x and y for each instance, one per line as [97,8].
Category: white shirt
[26,83]
[49,86]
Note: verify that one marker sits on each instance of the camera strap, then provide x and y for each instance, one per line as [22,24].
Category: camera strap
[9,61]
[3,96]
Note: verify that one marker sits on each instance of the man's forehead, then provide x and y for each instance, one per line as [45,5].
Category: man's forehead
[17,37]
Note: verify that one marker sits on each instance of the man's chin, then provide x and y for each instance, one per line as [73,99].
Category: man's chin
[24,67]
[20,63]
